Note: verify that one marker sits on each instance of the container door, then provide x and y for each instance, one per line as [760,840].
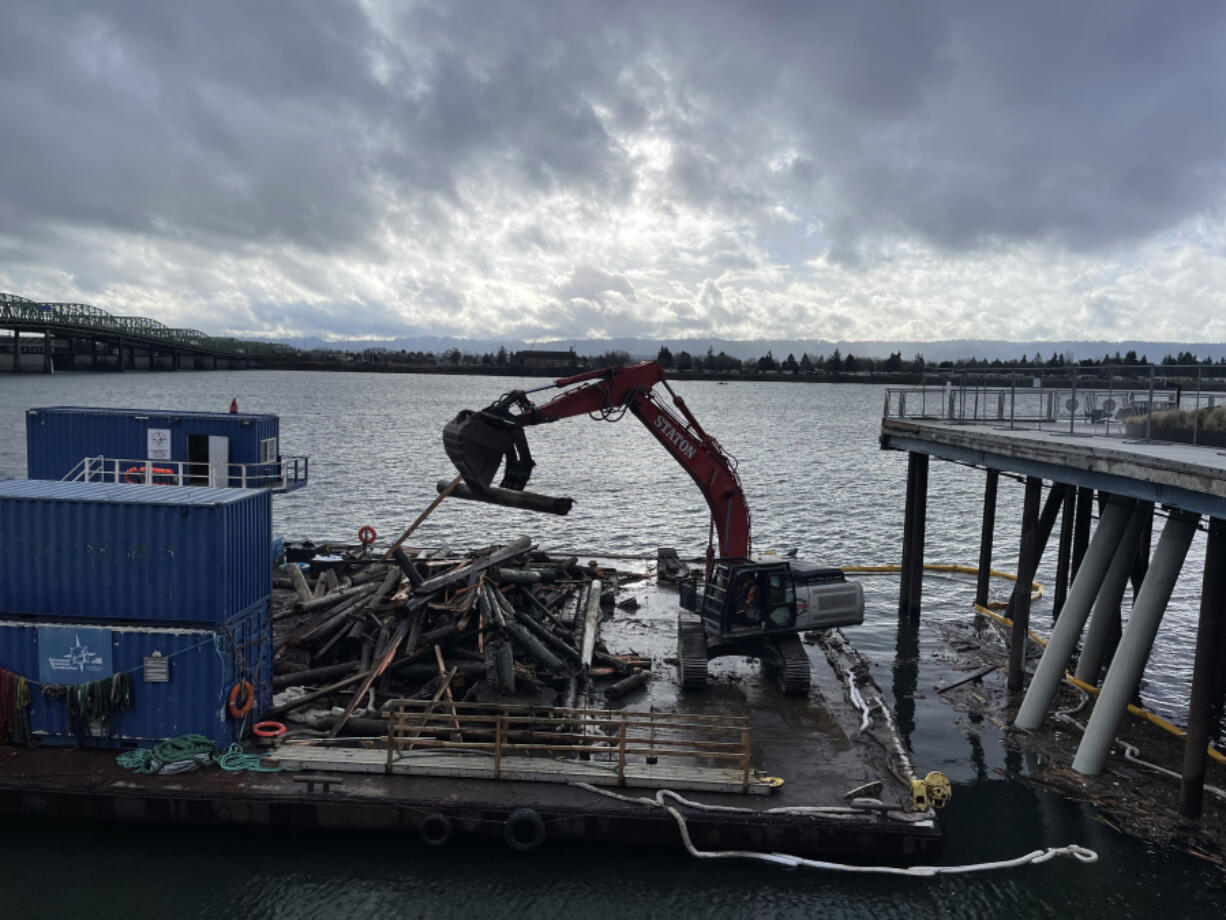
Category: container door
[197,459]
[219,461]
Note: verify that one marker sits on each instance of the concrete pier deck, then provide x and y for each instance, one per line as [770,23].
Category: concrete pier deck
[1187,476]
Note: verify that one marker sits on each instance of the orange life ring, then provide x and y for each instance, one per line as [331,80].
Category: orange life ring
[268,729]
[367,535]
[243,686]
[135,475]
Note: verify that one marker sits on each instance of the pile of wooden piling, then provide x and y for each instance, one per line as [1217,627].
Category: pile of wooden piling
[504,624]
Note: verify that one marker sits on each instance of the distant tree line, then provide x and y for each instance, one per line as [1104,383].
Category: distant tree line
[724,364]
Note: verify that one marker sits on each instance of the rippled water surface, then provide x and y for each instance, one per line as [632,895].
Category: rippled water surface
[815,480]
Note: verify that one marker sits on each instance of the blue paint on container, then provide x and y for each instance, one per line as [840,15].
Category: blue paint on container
[181,677]
[72,551]
[59,438]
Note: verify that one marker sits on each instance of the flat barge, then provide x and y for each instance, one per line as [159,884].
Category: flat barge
[841,795]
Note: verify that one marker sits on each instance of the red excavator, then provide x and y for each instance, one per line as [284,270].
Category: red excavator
[743,605]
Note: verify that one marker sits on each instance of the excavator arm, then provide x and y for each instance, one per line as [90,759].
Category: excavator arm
[479,442]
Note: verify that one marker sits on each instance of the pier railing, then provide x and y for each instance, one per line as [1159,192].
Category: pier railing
[617,737]
[283,475]
[1141,402]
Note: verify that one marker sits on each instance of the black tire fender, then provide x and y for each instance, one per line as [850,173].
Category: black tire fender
[435,829]
[524,830]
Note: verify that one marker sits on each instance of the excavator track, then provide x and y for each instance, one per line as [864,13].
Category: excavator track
[793,670]
[692,656]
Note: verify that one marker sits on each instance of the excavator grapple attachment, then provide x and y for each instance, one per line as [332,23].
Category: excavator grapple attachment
[477,443]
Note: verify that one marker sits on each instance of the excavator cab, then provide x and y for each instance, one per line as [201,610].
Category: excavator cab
[757,609]
[749,598]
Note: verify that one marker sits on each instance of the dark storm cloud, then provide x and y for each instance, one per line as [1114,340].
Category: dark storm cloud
[960,122]
[787,132]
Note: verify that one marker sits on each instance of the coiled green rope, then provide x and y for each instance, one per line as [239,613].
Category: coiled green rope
[235,759]
[190,752]
[174,755]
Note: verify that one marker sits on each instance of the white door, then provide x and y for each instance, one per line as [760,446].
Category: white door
[219,461]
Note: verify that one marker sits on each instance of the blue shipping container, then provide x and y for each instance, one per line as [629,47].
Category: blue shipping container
[181,677]
[59,438]
[90,551]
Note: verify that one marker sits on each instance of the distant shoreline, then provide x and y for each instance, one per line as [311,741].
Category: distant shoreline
[551,373]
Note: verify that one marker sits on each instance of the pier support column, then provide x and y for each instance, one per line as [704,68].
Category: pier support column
[914,522]
[1064,556]
[1019,607]
[1105,616]
[48,364]
[1140,563]
[1094,565]
[985,537]
[1209,637]
[1081,525]
[16,351]
[1138,639]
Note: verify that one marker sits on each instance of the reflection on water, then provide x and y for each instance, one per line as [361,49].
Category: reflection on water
[815,481]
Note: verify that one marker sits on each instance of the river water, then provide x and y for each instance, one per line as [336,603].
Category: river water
[816,482]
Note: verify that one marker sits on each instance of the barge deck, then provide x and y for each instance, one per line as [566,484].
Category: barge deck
[815,745]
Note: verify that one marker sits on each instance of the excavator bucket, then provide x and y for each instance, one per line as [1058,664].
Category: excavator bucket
[477,443]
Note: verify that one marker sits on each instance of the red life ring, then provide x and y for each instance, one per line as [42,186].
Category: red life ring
[244,687]
[268,729]
[135,475]
[367,535]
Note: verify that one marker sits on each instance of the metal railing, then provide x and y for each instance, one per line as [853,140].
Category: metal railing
[282,475]
[618,737]
[1157,402]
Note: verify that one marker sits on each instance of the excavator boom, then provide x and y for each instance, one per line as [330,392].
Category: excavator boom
[479,442]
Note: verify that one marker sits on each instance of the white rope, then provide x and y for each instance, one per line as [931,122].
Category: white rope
[853,692]
[1131,752]
[1080,853]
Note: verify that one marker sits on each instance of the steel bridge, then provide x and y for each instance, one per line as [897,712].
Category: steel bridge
[49,337]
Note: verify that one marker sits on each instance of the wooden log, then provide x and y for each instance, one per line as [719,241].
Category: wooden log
[420,673]
[408,567]
[555,642]
[511,498]
[300,582]
[521,545]
[329,600]
[443,493]
[988,669]
[309,676]
[591,623]
[536,650]
[402,630]
[492,609]
[333,621]
[561,628]
[626,685]
[507,576]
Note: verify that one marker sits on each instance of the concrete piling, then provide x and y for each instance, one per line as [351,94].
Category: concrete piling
[1138,639]
[1105,616]
[1085,588]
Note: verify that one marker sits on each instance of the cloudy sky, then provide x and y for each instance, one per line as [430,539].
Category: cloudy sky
[850,170]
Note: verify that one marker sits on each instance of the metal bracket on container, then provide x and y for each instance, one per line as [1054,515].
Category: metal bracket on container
[157,669]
